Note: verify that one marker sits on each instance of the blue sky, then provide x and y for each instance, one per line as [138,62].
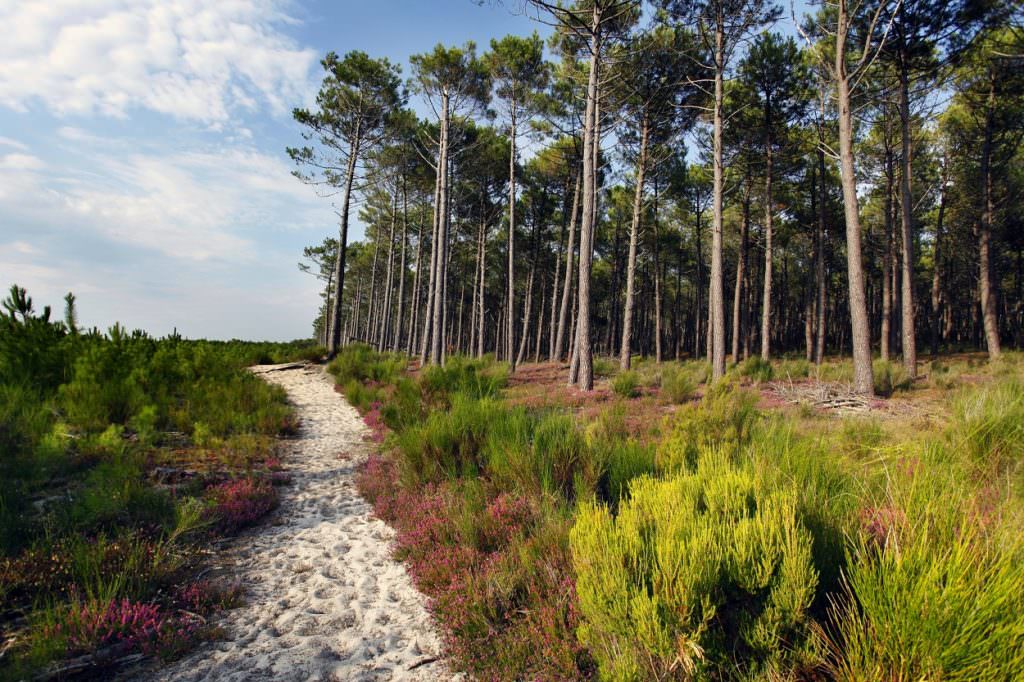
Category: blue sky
[142,160]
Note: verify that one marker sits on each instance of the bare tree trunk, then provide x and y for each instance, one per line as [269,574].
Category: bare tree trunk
[887,263]
[540,325]
[863,374]
[339,262]
[657,281]
[434,248]
[986,280]
[769,226]
[634,231]
[906,204]
[937,260]
[582,375]
[511,318]
[437,313]
[819,265]
[717,297]
[741,270]
[385,318]
[528,305]
[567,284]
[483,307]
[414,307]
[400,314]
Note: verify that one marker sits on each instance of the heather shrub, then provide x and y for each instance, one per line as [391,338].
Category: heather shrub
[241,502]
[693,574]
[626,384]
[723,419]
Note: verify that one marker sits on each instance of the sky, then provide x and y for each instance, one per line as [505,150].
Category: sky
[142,161]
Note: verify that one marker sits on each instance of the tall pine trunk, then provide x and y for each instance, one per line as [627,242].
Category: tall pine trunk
[863,374]
[634,232]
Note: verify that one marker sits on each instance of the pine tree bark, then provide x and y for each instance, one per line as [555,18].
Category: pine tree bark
[986,280]
[819,264]
[937,255]
[437,312]
[339,263]
[887,262]
[906,212]
[570,259]
[511,295]
[769,226]
[741,271]
[717,298]
[625,349]
[863,374]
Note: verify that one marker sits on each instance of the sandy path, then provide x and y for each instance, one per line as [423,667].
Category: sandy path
[324,599]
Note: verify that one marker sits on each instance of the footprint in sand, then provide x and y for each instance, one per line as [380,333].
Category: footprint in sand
[322,594]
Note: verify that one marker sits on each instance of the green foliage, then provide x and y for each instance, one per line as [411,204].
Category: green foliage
[693,572]
[723,420]
[756,369]
[461,375]
[890,377]
[626,384]
[33,350]
[933,589]
[677,385]
[988,424]
[360,362]
[605,367]
[449,443]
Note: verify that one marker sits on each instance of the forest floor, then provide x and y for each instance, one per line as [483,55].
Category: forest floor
[324,598]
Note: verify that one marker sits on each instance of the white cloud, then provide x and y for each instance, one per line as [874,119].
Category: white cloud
[8,142]
[19,161]
[191,59]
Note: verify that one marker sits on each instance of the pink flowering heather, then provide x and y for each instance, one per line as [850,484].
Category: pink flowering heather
[375,422]
[241,502]
[91,626]
[506,602]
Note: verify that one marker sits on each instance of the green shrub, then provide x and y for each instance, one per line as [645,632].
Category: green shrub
[723,419]
[605,367]
[932,595]
[677,385]
[626,384]
[449,444]
[794,369]
[693,573]
[461,375]
[890,377]
[404,407]
[360,362]
[622,461]
[988,424]
[756,369]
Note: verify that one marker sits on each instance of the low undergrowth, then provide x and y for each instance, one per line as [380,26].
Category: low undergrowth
[740,545]
[120,456]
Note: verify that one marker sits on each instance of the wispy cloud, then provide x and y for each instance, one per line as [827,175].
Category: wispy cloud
[192,59]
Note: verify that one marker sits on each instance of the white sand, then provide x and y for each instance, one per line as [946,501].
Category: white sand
[324,600]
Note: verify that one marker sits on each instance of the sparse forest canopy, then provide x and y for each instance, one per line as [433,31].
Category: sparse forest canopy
[851,188]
